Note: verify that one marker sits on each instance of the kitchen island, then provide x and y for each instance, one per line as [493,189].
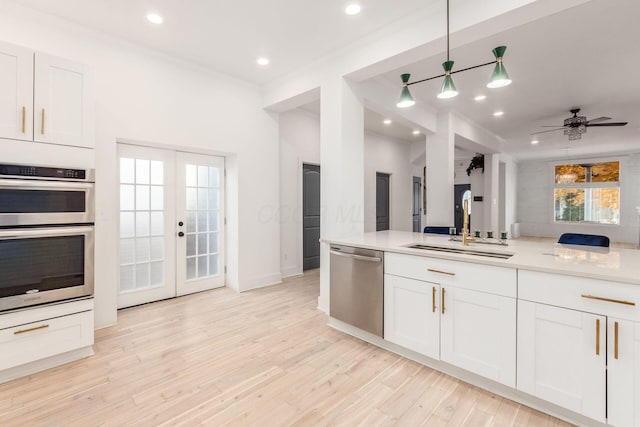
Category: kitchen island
[556,327]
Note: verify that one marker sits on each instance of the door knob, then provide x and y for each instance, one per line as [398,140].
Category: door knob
[181,223]
[181,234]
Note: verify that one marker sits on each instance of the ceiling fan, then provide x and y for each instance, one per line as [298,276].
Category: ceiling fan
[575,126]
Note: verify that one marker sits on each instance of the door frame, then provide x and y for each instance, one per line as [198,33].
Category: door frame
[229,158]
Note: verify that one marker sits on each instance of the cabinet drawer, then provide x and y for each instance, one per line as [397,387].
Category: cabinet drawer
[38,340]
[479,277]
[590,295]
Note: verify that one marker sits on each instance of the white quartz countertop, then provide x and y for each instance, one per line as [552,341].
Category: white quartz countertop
[612,264]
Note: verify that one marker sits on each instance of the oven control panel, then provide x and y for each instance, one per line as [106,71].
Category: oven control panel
[43,172]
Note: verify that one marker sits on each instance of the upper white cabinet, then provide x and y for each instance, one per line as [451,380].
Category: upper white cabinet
[16,87]
[44,98]
[61,102]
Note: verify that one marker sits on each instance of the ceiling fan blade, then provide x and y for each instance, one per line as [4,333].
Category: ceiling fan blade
[599,119]
[609,124]
[551,126]
[545,131]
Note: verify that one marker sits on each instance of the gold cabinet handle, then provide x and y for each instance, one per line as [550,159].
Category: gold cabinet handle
[442,300]
[433,299]
[440,272]
[24,118]
[597,337]
[616,301]
[24,331]
[42,126]
[615,340]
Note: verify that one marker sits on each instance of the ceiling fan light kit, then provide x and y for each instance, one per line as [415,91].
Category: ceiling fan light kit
[577,125]
[499,77]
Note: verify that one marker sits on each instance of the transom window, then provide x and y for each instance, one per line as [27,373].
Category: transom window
[587,193]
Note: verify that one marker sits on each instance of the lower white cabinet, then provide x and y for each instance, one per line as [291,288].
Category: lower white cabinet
[478,333]
[472,330]
[411,316]
[562,357]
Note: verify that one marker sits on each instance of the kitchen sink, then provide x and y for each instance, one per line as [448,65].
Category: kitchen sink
[501,255]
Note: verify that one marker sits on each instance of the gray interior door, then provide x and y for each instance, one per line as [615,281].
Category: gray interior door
[310,217]
[417,186]
[458,193]
[382,201]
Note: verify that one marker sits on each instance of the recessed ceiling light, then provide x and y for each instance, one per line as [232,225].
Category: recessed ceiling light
[535,141]
[387,121]
[480,97]
[154,18]
[262,61]
[498,113]
[352,9]
[416,132]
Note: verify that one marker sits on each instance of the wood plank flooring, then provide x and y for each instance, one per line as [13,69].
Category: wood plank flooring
[261,358]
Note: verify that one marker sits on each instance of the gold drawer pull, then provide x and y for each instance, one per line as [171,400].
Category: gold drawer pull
[597,337]
[433,299]
[24,331]
[615,340]
[441,272]
[617,301]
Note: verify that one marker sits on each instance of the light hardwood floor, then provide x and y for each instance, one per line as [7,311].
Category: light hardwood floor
[261,358]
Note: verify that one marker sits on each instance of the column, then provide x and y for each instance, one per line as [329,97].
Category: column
[440,173]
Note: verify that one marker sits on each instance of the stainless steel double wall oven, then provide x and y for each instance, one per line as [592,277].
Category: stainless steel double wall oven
[47,219]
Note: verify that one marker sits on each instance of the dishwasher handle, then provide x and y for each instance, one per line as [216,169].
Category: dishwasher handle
[358,257]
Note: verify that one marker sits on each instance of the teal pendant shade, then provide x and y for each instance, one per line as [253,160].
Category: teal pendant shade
[405,100]
[448,89]
[499,77]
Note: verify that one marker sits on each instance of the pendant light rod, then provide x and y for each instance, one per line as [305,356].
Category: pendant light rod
[452,72]
[448,31]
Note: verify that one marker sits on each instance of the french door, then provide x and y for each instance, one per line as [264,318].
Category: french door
[171,224]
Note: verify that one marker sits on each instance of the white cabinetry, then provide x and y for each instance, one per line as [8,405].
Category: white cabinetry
[582,352]
[44,98]
[411,318]
[16,89]
[39,338]
[61,102]
[461,313]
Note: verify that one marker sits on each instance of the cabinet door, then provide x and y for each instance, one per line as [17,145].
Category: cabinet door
[16,87]
[562,357]
[411,316]
[479,333]
[622,372]
[61,102]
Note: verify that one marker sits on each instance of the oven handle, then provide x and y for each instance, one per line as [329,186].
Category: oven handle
[44,232]
[47,185]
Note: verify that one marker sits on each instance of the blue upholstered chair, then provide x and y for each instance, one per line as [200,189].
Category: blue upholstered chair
[584,239]
[436,229]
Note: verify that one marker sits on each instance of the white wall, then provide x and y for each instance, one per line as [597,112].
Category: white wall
[385,155]
[299,143]
[535,202]
[141,95]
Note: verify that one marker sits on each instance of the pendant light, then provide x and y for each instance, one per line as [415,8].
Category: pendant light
[499,77]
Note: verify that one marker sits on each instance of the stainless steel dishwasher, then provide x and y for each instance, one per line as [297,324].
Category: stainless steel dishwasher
[356,290]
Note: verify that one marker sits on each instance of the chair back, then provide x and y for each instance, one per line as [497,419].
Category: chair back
[584,239]
[436,229]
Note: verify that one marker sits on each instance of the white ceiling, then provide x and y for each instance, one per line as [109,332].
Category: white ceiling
[586,57]
[229,35]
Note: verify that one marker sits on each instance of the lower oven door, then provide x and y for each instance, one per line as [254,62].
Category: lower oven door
[41,265]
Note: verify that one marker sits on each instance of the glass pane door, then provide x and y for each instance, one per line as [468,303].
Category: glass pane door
[146,237]
[200,257]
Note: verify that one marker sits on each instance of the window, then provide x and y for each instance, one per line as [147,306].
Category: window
[588,192]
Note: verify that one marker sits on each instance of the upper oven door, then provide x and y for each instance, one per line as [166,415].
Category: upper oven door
[39,202]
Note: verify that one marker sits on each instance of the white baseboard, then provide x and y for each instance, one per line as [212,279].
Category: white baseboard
[260,282]
[44,364]
[291,271]
[468,377]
